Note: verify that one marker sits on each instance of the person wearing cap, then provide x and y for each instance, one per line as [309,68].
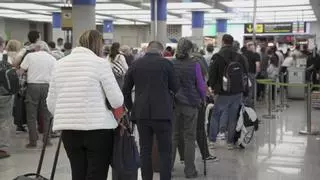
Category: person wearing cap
[224,115]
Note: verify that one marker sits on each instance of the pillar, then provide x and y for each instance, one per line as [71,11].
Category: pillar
[83,18]
[56,27]
[197,27]
[221,26]
[159,20]
[108,31]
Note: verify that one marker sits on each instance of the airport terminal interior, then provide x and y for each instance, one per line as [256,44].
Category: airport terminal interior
[287,143]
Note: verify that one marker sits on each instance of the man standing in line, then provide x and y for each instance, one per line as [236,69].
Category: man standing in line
[226,79]
[39,66]
[154,80]
[254,68]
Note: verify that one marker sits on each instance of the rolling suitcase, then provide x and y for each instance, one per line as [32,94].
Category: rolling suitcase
[37,176]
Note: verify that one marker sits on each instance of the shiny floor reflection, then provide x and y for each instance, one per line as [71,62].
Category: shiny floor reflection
[278,152]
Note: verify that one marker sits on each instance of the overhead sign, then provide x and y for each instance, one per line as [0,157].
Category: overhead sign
[278,28]
[249,28]
[269,28]
[66,18]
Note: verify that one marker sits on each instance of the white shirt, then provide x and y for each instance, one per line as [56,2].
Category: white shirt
[39,66]
[80,84]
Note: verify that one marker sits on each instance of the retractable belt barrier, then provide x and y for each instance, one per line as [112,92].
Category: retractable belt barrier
[308,86]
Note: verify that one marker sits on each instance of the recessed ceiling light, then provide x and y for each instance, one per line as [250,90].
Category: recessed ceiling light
[26,6]
[264,3]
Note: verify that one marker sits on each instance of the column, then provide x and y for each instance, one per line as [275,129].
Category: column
[108,31]
[197,27]
[83,18]
[159,21]
[221,26]
[56,27]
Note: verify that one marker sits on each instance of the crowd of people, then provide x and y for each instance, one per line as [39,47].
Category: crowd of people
[165,91]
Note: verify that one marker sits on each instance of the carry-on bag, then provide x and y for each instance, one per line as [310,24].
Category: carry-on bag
[126,159]
[37,176]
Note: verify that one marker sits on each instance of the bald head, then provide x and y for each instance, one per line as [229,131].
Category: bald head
[155,46]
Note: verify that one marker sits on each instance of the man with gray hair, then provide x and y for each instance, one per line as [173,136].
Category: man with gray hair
[154,80]
[39,66]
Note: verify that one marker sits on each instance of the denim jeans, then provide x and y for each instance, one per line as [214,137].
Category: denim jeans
[225,113]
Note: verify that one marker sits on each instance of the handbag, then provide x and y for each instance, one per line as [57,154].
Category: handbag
[37,176]
[125,157]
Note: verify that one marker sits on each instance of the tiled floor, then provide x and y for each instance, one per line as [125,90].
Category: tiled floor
[277,153]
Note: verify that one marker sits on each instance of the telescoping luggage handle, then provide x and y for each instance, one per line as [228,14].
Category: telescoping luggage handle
[56,157]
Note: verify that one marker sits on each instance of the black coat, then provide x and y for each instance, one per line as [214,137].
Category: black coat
[155,84]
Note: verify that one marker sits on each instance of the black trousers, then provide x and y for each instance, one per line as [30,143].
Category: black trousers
[163,131]
[89,153]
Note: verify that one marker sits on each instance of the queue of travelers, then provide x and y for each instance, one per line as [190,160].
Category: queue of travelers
[88,88]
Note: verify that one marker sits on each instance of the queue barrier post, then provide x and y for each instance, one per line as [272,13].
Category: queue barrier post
[309,113]
[283,105]
[269,115]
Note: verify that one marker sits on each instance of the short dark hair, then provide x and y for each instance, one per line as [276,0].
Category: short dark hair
[52,44]
[227,39]
[33,36]
[67,46]
[210,48]
[59,39]
[155,45]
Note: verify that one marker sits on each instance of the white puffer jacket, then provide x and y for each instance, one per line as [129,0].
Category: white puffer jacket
[80,83]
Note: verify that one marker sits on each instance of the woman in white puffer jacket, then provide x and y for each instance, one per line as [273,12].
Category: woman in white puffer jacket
[81,83]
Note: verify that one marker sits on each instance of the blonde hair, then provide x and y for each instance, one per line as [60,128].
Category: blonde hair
[13,45]
[93,40]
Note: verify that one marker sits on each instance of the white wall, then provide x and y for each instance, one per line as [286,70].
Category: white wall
[131,35]
[315,29]
[17,29]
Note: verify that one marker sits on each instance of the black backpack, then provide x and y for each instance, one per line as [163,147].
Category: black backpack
[234,78]
[9,80]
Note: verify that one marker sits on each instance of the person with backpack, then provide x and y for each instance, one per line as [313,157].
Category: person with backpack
[118,63]
[9,84]
[228,80]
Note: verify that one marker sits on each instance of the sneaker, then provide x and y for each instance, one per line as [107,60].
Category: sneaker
[213,145]
[221,136]
[21,129]
[231,146]
[193,176]
[212,158]
[4,154]
[31,146]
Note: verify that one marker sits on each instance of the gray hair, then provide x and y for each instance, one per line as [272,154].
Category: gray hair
[155,46]
[41,45]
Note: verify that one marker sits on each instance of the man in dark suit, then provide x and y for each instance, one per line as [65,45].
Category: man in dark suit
[155,84]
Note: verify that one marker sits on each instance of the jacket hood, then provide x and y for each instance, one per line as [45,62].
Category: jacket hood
[227,52]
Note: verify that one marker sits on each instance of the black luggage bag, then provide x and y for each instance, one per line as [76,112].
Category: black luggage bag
[126,159]
[37,176]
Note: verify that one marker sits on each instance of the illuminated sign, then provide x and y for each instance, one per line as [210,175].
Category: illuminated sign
[269,28]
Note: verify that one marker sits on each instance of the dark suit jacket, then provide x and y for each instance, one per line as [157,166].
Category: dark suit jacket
[155,84]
